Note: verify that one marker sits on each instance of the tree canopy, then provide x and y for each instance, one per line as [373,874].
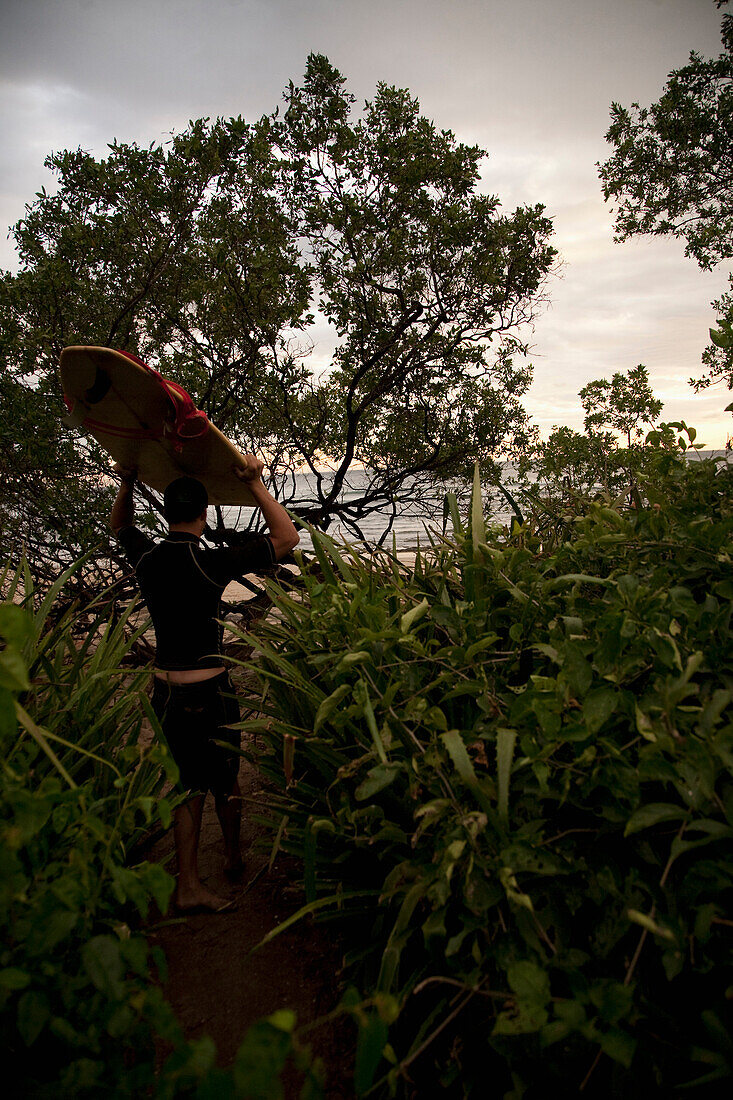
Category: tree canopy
[671,173]
[213,256]
[624,404]
[570,467]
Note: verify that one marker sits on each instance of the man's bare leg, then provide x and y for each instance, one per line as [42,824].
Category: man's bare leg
[229,812]
[190,890]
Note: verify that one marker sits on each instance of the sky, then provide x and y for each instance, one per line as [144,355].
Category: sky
[530,81]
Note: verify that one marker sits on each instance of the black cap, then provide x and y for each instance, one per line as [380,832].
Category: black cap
[184,500]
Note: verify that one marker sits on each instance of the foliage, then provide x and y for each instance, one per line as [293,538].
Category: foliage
[210,256]
[50,503]
[77,789]
[576,462]
[416,272]
[556,477]
[81,1008]
[718,355]
[625,404]
[508,771]
[672,170]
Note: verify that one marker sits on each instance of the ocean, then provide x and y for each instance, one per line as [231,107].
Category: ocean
[416,516]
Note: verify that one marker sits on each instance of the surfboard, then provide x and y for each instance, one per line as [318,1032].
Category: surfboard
[144,420]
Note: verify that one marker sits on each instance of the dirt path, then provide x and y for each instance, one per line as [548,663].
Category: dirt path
[218,989]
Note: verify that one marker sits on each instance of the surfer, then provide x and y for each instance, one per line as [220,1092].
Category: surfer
[182,582]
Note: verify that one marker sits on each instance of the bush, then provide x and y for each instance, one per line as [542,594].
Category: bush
[509,771]
[77,788]
[81,1008]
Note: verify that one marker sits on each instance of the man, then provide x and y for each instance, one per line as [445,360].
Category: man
[182,582]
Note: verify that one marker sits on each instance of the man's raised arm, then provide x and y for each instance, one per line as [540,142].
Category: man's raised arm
[281,528]
[123,509]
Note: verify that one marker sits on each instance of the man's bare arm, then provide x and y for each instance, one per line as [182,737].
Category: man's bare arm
[123,509]
[280,527]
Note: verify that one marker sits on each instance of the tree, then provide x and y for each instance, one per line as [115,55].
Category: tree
[570,463]
[672,171]
[570,467]
[126,254]
[626,404]
[210,257]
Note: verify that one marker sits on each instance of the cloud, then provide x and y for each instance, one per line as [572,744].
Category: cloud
[529,81]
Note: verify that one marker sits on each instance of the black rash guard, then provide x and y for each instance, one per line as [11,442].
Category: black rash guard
[182,582]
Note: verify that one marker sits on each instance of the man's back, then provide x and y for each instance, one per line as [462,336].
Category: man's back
[182,582]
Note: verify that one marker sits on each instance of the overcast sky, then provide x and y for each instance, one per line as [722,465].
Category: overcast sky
[531,81]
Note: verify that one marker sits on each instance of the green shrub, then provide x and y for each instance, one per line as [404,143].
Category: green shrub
[81,1008]
[77,788]
[514,767]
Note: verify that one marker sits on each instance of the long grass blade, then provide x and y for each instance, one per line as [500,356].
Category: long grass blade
[478,529]
[313,907]
[39,736]
[505,740]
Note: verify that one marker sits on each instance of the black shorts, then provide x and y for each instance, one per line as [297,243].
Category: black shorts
[192,717]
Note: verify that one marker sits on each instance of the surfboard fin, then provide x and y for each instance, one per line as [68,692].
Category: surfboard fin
[75,417]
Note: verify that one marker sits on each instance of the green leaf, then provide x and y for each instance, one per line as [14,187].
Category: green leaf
[355,658]
[413,616]
[259,1062]
[165,813]
[450,509]
[578,578]
[652,814]
[377,779]
[489,642]
[612,999]
[103,963]
[13,671]
[120,1022]
[644,724]
[329,705]
[508,880]
[129,887]
[397,937]
[13,978]
[529,981]
[45,935]
[361,694]
[576,670]
[370,1045]
[458,754]
[719,338]
[283,1019]
[159,884]
[649,924]
[618,1045]
[598,706]
[16,625]
[40,737]
[33,1014]
[505,740]
[524,1020]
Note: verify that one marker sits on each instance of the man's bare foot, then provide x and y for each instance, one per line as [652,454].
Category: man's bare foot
[200,900]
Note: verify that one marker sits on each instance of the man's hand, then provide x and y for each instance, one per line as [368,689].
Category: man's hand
[279,524]
[125,473]
[251,470]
